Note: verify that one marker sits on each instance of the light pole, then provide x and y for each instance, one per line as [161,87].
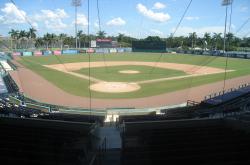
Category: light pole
[225,3]
[76,3]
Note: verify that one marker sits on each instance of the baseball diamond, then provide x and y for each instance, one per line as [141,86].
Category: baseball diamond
[50,78]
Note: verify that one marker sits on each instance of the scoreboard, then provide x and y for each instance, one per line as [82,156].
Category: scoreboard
[148,46]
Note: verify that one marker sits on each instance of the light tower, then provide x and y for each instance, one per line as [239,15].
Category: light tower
[76,3]
[225,3]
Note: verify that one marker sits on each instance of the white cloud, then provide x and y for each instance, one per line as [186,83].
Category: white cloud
[156,16]
[57,25]
[243,9]
[52,19]
[189,18]
[184,31]
[35,25]
[96,24]
[156,32]
[116,22]
[159,5]
[56,14]
[82,20]
[12,15]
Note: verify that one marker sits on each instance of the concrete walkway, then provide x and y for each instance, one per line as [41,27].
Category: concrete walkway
[113,138]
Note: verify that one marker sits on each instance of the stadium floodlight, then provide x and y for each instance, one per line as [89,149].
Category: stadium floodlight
[227,2]
[76,3]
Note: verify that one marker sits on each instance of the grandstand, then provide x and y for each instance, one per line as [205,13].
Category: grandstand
[185,108]
[3,88]
[29,141]
[10,84]
[6,66]
[212,141]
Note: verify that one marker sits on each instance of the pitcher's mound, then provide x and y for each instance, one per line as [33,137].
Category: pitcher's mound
[114,87]
[129,71]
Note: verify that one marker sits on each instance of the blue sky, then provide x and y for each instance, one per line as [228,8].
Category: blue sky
[137,18]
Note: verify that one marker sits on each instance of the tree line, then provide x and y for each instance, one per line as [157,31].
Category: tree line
[209,41]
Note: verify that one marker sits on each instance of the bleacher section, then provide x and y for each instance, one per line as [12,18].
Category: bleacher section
[13,111]
[3,88]
[73,117]
[5,65]
[33,141]
[200,142]
[225,97]
[10,84]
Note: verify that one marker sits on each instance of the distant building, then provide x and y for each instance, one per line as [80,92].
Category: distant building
[106,43]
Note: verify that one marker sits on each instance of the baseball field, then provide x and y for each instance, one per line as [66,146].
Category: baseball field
[132,75]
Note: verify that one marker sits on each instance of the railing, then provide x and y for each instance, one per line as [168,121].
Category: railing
[220,93]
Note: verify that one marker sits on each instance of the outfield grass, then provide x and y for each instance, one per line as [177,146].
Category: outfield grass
[78,86]
[111,73]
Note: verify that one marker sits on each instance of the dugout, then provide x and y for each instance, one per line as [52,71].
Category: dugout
[149,46]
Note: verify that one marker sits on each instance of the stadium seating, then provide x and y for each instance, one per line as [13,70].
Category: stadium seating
[33,141]
[10,84]
[184,142]
[74,117]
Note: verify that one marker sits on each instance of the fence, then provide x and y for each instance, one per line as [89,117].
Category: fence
[70,51]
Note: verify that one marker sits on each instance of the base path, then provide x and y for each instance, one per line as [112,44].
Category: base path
[187,68]
[38,88]
[191,70]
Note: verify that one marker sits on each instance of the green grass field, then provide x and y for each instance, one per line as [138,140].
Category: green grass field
[79,87]
[112,73]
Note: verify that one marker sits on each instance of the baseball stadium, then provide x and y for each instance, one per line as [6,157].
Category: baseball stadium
[122,89]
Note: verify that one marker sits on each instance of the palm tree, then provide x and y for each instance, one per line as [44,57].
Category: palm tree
[53,39]
[230,38]
[120,37]
[22,37]
[217,39]
[79,35]
[14,36]
[32,33]
[39,42]
[207,39]
[101,34]
[22,34]
[192,37]
[62,36]
[47,39]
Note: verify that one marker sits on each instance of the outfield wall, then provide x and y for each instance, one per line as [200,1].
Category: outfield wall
[70,51]
[232,54]
[220,53]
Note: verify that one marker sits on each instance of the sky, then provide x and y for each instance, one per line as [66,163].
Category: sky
[136,18]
